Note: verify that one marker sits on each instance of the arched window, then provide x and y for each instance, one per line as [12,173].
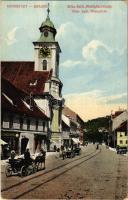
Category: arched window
[44,64]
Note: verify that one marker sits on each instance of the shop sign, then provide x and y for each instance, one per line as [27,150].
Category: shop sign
[9,134]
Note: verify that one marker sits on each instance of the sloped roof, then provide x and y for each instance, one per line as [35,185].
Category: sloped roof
[65,120]
[74,117]
[122,127]
[13,99]
[69,113]
[117,113]
[119,119]
[22,75]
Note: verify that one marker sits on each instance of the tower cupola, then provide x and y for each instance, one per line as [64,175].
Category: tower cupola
[47,50]
[47,30]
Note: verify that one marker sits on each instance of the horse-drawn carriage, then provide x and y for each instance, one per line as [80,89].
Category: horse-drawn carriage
[22,167]
[122,149]
[70,152]
[77,151]
[16,166]
[39,160]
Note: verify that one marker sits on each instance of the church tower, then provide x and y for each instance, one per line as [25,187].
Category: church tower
[47,52]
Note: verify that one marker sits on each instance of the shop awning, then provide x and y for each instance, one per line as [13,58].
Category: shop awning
[2,142]
[76,140]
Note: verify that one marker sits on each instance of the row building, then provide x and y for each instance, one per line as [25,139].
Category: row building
[33,111]
[29,87]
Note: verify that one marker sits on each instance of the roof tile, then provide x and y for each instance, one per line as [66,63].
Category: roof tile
[22,75]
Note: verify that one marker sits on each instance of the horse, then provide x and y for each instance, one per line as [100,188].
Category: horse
[39,160]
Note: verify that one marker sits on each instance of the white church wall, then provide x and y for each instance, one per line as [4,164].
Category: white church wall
[47,87]
[53,60]
[43,104]
[36,58]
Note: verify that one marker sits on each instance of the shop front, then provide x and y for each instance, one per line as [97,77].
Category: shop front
[40,141]
[34,141]
[12,140]
[66,139]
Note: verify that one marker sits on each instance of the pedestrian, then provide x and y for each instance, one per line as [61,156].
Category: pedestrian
[43,152]
[27,157]
[13,154]
[5,152]
[41,158]
[55,148]
[63,152]
[97,146]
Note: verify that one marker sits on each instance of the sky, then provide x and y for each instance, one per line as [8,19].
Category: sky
[93,39]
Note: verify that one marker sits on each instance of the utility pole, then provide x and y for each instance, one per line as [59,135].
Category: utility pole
[109,131]
[114,138]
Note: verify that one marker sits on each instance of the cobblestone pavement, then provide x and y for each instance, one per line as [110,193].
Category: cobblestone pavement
[101,176]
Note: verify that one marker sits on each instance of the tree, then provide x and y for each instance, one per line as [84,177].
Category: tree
[93,127]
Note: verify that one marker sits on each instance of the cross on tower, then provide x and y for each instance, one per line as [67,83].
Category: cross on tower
[48,10]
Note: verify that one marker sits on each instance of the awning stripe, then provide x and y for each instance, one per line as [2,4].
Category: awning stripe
[76,140]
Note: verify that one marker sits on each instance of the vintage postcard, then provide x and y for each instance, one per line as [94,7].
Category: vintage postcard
[64,117]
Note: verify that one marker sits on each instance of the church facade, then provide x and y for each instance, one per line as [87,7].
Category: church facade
[47,53]
[40,80]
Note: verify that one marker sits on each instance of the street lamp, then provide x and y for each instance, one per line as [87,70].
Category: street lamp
[17,135]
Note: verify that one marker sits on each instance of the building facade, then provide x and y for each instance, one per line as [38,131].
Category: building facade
[120,128]
[23,125]
[40,79]
[72,127]
[47,53]
[122,136]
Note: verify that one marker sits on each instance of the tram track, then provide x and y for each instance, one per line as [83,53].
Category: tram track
[32,183]
[26,179]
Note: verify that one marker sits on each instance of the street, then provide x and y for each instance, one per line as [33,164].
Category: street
[95,174]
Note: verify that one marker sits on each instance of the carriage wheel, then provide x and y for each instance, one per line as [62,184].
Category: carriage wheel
[23,171]
[35,168]
[8,171]
[39,166]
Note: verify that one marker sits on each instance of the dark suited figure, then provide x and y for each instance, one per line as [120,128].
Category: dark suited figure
[27,157]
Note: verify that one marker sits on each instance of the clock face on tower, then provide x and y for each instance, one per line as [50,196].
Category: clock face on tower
[46,33]
[45,52]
